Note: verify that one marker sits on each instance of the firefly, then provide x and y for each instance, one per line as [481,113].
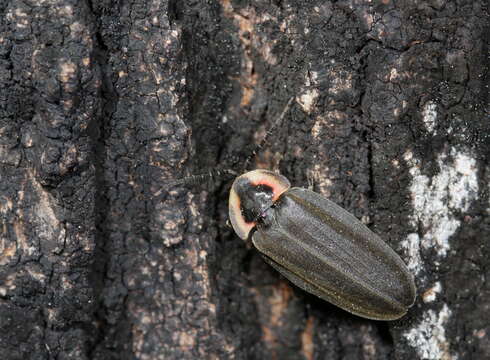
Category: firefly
[320,247]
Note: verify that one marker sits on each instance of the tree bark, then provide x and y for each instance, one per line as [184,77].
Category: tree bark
[104,103]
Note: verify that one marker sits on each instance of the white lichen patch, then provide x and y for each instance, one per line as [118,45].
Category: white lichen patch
[412,247]
[429,338]
[431,294]
[429,116]
[438,200]
[307,99]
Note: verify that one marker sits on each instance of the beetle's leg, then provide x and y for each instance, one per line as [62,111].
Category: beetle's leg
[310,178]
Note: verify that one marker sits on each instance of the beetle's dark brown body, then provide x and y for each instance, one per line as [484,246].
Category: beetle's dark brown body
[320,247]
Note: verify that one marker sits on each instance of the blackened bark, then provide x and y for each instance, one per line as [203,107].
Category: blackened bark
[102,102]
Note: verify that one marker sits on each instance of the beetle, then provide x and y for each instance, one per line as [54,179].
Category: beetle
[320,247]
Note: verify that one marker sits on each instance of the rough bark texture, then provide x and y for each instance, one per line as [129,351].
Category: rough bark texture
[101,102]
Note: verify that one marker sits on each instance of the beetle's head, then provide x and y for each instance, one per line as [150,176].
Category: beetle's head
[251,195]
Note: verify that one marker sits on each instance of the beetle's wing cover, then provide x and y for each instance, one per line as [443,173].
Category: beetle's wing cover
[325,250]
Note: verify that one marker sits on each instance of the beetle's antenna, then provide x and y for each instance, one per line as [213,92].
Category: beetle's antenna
[215,173]
[196,179]
[271,129]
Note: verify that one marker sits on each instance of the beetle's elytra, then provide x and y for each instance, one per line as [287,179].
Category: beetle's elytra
[320,247]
